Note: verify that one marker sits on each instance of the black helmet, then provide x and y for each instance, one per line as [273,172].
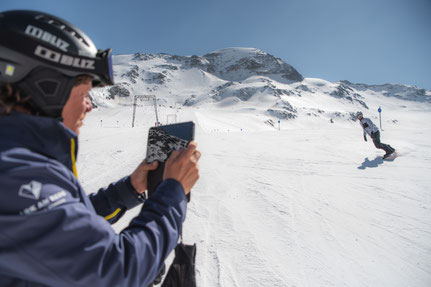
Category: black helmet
[42,55]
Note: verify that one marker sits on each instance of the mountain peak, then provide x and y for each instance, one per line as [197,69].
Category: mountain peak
[238,64]
[236,53]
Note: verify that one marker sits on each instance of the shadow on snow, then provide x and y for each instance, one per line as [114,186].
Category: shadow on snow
[373,163]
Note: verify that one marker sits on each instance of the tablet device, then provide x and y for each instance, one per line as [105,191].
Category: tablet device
[162,140]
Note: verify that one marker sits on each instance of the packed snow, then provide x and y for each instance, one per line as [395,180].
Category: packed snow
[301,201]
[300,206]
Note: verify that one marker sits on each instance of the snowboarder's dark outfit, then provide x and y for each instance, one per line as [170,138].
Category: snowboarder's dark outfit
[371,129]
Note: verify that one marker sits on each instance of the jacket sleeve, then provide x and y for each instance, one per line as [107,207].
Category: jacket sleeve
[113,202]
[363,129]
[69,245]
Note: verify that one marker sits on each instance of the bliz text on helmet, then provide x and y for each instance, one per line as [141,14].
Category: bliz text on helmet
[64,59]
[47,37]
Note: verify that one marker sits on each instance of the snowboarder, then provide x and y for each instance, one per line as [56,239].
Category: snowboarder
[51,232]
[371,129]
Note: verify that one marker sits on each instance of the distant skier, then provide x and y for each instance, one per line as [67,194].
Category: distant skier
[371,129]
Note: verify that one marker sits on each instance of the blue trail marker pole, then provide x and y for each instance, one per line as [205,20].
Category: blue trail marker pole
[380,117]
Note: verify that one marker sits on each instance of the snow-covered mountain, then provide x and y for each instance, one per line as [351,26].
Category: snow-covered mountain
[240,78]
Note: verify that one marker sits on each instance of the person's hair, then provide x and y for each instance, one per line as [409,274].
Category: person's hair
[11,98]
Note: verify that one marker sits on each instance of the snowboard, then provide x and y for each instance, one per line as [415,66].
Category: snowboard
[391,156]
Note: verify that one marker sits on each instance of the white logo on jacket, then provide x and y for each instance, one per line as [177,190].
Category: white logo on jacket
[31,190]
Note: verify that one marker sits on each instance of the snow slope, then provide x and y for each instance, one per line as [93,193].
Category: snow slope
[304,206]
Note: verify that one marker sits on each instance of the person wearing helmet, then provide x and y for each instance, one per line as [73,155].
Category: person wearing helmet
[51,232]
[370,128]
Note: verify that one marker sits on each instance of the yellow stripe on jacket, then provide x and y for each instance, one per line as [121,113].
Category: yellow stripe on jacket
[72,154]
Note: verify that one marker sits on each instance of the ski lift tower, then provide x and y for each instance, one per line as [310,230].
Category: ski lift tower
[145,97]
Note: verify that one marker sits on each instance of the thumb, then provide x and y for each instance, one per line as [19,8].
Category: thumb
[150,166]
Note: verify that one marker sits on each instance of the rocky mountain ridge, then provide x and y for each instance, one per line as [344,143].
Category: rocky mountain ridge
[238,77]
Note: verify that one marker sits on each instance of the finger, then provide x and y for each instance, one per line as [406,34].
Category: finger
[175,154]
[151,166]
[192,181]
[195,157]
[197,154]
[193,143]
[191,148]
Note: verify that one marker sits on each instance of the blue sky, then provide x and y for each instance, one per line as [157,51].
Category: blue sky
[363,41]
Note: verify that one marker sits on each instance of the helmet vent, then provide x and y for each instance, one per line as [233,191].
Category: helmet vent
[48,87]
[63,27]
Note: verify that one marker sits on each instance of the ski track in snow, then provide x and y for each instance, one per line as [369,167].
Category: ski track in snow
[296,207]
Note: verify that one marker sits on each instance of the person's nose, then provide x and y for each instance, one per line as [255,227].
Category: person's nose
[88,105]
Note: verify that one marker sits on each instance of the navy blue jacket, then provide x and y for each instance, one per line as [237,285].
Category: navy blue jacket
[53,234]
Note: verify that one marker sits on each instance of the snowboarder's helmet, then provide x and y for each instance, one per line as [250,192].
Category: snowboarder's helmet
[359,114]
[42,55]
